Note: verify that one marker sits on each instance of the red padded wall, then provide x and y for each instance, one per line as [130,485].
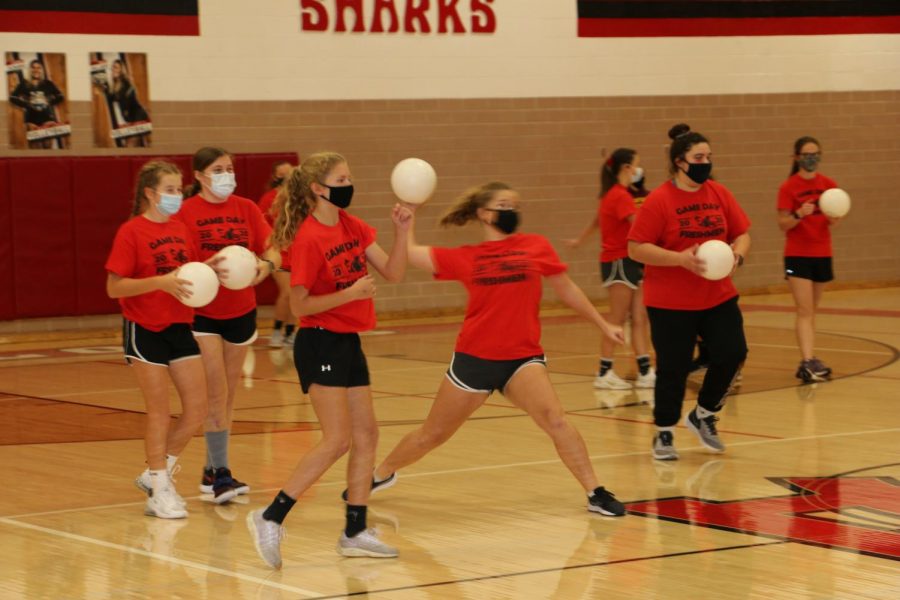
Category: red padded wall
[58,217]
[41,195]
[7,287]
[102,197]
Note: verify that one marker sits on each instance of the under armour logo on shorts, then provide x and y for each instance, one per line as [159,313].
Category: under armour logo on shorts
[326,367]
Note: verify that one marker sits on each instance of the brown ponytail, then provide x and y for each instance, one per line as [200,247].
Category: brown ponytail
[149,176]
[465,208]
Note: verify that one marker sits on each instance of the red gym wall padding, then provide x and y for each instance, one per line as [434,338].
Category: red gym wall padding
[7,289]
[58,217]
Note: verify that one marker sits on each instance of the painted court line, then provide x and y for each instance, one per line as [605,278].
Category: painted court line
[162,557]
[493,468]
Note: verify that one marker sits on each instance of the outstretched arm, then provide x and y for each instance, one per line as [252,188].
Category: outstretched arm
[574,298]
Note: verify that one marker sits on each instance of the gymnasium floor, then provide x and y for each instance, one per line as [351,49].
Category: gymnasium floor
[804,504]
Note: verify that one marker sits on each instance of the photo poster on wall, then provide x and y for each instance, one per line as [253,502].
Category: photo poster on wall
[38,109]
[120,100]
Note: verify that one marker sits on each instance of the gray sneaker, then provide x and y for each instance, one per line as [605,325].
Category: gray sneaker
[267,536]
[705,430]
[365,543]
[664,446]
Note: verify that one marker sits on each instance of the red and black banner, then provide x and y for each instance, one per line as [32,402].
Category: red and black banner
[122,17]
[664,18]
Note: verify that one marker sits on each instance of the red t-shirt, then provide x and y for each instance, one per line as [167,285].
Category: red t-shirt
[675,219]
[503,279]
[265,205]
[237,221]
[326,259]
[143,248]
[615,208]
[812,235]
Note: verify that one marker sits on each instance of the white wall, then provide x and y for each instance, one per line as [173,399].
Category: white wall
[256,51]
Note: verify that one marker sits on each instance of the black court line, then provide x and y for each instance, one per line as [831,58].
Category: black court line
[550,570]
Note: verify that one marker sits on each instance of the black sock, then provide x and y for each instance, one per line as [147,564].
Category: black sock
[356,520]
[643,363]
[280,507]
[277,325]
[605,365]
[288,330]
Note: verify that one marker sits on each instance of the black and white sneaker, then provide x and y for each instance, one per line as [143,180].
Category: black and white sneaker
[377,485]
[706,430]
[604,502]
[813,371]
[664,446]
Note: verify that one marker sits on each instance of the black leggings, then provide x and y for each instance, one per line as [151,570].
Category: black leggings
[674,333]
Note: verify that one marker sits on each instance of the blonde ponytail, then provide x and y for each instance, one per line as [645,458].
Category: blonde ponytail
[466,206]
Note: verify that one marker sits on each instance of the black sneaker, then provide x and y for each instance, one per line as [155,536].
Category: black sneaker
[206,482]
[706,430]
[223,486]
[377,485]
[664,446]
[812,371]
[605,503]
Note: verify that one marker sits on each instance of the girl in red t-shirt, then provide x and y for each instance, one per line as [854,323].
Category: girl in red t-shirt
[499,345]
[332,292]
[621,275]
[225,327]
[143,274]
[807,248]
[677,217]
[283,316]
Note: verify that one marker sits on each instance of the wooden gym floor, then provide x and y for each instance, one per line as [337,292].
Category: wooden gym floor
[804,504]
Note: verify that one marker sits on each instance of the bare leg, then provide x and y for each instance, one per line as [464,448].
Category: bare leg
[190,381]
[333,412]
[640,324]
[154,383]
[530,390]
[619,306]
[451,408]
[805,298]
[364,435]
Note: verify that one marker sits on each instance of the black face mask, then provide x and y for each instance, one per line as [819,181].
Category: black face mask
[507,220]
[699,172]
[340,196]
[277,182]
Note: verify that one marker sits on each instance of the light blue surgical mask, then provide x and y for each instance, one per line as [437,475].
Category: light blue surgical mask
[222,184]
[169,204]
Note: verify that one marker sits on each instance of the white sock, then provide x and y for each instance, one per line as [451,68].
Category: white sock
[702,413]
[170,462]
[159,480]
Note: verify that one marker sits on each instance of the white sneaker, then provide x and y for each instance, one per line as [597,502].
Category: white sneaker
[646,382]
[164,504]
[143,483]
[289,339]
[267,536]
[365,543]
[611,381]
[277,339]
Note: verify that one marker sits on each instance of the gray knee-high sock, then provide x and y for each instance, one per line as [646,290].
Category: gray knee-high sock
[216,448]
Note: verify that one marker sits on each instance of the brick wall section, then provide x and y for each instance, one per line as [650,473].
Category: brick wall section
[550,149]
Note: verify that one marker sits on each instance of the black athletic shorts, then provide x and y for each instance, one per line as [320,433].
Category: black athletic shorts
[474,374]
[816,268]
[624,270]
[172,344]
[330,359]
[240,331]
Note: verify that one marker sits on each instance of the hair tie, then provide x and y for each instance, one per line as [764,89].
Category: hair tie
[609,163]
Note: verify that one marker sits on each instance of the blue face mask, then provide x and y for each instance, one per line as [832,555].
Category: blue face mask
[169,204]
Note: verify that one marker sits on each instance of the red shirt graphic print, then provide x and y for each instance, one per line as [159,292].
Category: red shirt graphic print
[329,258]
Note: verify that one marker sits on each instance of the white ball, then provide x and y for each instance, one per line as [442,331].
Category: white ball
[834,202]
[413,180]
[204,283]
[719,259]
[241,266]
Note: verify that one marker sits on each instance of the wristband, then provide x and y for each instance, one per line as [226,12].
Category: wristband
[271,265]
[796,216]
[739,260]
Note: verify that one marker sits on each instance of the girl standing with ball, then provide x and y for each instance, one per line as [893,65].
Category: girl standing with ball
[143,274]
[621,275]
[807,248]
[498,348]
[675,218]
[332,292]
[224,328]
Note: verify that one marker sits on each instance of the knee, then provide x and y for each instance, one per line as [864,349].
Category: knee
[336,446]
[432,438]
[366,438]
[553,422]
[805,311]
